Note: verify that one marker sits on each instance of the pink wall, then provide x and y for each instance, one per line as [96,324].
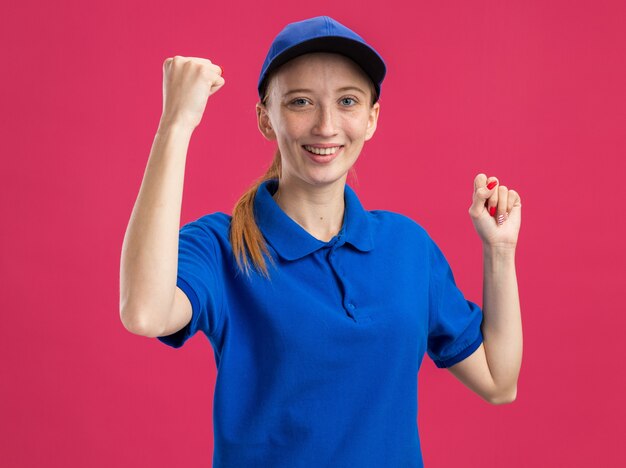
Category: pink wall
[532,92]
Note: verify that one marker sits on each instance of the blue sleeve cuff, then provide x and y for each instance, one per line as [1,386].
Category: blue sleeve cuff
[177,339]
[442,363]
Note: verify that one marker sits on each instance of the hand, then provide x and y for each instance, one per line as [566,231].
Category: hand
[501,228]
[187,84]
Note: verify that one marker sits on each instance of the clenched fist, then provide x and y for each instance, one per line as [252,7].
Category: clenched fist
[496,212]
[187,84]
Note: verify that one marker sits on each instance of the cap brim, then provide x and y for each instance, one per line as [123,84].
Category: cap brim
[371,63]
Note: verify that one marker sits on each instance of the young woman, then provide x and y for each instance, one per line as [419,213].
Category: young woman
[319,312]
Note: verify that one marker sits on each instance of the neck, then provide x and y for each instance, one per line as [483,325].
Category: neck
[317,209]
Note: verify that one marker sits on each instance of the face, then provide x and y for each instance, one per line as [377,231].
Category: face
[319,110]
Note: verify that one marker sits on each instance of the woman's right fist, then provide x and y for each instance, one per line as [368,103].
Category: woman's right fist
[187,84]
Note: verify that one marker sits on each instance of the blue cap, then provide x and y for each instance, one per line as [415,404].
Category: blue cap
[322,34]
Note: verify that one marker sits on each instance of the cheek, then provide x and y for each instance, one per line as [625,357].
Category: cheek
[355,128]
[292,127]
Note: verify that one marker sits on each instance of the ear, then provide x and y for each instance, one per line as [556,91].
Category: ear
[372,121]
[263,122]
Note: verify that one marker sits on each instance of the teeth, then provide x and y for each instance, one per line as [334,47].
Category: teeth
[322,151]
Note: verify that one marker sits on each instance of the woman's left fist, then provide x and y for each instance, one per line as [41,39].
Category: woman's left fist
[496,212]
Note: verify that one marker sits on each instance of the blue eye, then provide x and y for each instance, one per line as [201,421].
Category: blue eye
[347,101]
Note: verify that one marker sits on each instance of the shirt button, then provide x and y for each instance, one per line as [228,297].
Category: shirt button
[351,305]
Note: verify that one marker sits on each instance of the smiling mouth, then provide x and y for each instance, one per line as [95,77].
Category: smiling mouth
[322,151]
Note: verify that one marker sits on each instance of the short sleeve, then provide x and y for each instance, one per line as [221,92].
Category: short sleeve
[198,278]
[454,330]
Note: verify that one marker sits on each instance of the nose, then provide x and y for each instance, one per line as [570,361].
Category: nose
[325,122]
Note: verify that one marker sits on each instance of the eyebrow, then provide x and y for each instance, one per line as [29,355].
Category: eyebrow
[345,88]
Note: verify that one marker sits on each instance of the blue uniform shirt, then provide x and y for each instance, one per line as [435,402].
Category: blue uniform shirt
[318,366]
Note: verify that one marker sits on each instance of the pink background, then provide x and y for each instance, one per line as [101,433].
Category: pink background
[532,92]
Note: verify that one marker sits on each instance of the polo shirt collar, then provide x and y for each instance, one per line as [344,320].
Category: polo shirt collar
[291,241]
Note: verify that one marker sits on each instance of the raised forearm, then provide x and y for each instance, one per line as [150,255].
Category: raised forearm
[150,248]
[502,323]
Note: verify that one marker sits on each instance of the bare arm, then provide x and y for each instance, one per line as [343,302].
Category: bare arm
[150,302]
[493,369]
[150,249]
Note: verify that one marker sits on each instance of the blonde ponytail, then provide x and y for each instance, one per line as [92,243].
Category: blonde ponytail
[245,236]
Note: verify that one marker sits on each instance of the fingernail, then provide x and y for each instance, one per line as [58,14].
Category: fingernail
[492,210]
[492,184]
[501,218]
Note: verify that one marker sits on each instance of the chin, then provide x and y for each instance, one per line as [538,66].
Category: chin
[326,177]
